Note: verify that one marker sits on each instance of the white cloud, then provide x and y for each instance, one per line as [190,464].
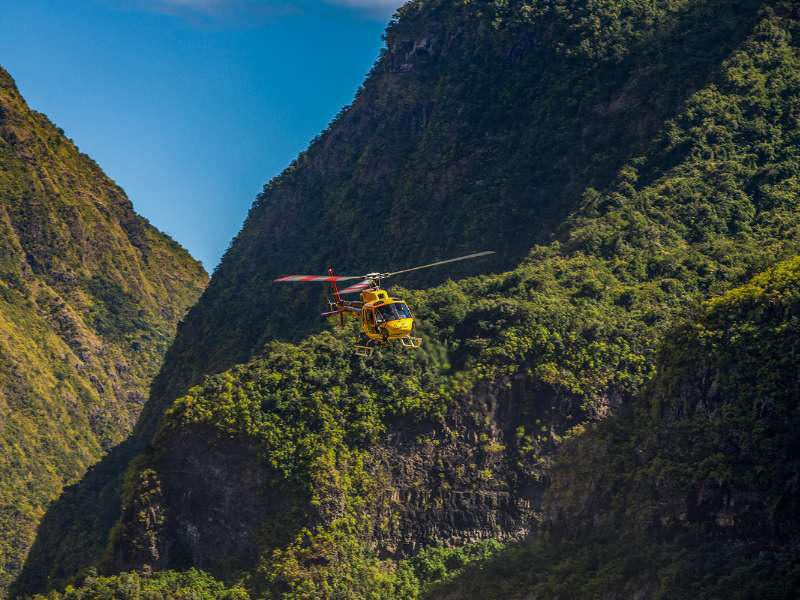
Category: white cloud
[214,13]
[377,8]
[387,4]
[213,6]
[198,4]
[275,7]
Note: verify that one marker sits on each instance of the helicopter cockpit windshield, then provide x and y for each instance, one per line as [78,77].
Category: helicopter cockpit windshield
[393,312]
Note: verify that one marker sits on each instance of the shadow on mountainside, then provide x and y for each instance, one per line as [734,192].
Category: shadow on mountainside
[73,533]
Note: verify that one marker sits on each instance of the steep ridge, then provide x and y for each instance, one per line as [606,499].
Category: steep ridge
[689,492]
[90,295]
[692,492]
[303,470]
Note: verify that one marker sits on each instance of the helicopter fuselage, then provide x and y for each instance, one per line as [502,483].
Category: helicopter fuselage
[384,318]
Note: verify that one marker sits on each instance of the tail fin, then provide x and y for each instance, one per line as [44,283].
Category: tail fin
[337,297]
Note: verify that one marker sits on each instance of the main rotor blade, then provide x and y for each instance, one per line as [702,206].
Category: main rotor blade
[356,287]
[310,278]
[441,262]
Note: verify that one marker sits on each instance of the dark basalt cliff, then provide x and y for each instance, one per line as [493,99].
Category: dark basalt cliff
[627,159]
[90,295]
[458,479]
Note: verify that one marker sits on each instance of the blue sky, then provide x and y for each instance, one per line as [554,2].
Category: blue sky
[191,105]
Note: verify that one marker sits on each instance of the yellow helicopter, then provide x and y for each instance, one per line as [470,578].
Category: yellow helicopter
[383,319]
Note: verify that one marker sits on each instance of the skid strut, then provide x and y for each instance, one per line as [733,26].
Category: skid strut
[365,349]
[411,342]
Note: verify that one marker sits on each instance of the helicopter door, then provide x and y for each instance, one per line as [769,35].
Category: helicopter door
[370,319]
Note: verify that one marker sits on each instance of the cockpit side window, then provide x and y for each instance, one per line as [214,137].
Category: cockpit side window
[402,310]
[393,312]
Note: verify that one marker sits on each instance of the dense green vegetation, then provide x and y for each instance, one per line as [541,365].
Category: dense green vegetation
[362,578]
[630,159]
[166,585]
[90,294]
[693,491]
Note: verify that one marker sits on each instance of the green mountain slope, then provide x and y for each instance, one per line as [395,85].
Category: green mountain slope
[670,131]
[90,294]
[692,493]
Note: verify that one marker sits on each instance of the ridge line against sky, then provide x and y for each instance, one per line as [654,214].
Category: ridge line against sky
[192,106]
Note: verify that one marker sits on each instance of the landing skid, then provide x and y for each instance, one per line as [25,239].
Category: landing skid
[368,348]
[364,351]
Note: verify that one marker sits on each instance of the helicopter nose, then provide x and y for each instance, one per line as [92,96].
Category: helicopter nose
[401,326]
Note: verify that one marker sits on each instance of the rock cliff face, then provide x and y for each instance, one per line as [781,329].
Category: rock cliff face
[647,152]
[454,480]
[90,295]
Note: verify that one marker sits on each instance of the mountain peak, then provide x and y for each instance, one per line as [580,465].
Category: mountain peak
[90,295]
